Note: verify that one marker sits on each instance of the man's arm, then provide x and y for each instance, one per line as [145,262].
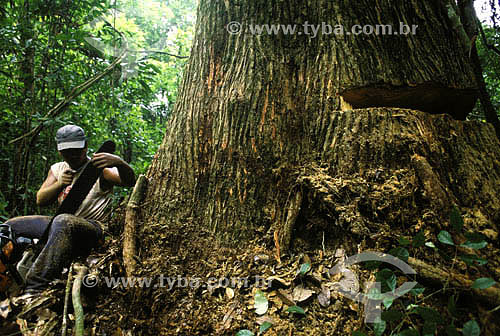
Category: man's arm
[51,187]
[123,175]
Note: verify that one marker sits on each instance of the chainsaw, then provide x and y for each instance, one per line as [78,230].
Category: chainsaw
[11,252]
[12,247]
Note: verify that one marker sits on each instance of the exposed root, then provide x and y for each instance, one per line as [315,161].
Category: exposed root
[77,304]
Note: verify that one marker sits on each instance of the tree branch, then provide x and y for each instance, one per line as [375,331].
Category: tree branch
[436,275]
[157,52]
[66,300]
[485,41]
[59,108]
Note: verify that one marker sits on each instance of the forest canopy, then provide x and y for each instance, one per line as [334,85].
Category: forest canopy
[47,49]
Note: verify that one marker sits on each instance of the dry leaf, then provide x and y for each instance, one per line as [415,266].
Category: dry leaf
[262,319]
[285,297]
[229,293]
[301,294]
[5,308]
[324,296]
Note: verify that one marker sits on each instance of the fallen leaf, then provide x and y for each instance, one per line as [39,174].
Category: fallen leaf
[229,293]
[324,297]
[261,304]
[300,293]
[5,308]
[285,297]
[296,310]
[263,319]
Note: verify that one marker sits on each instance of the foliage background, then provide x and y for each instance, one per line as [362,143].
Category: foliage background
[49,47]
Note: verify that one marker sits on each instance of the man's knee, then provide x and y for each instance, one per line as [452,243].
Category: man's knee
[63,218]
[69,223]
[62,222]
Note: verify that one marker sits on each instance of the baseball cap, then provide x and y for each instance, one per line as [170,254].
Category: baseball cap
[70,136]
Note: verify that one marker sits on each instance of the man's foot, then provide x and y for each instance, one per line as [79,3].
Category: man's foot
[27,297]
[34,299]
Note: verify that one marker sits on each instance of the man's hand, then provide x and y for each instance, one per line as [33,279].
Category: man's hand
[106,160]
[121,175]
[67,177]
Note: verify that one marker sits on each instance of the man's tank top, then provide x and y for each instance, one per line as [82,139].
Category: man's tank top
[94,205]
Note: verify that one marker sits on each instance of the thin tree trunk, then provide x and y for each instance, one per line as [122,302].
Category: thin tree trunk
[469,18]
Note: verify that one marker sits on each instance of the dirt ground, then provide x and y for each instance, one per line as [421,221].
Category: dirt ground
[201,288]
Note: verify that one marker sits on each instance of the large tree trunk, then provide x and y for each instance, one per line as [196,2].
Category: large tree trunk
[253,110]
[305,141]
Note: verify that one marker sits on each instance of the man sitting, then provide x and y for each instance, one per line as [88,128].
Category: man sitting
[70,235]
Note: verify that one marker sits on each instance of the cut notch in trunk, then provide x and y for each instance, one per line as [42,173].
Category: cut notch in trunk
[428,97]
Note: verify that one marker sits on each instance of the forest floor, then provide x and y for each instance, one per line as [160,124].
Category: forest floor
[287,294]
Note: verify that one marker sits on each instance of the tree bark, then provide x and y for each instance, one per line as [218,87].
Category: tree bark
[253,109]
[131,222]
[309,143]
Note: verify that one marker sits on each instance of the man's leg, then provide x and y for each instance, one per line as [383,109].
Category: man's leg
[28,226]
[68,237]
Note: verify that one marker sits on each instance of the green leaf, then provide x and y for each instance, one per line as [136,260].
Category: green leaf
[391,315]
[483,283]
[445,238]
[417,290]
[154,67]
[304,268]
[374,293]
[403,241]
[429,329]
[430,244]
[379,328]
[471,328]
[475,245]
[401,253]
[261,303]
[264,327]
[456,220]
[245,332]
[387,301]
[145,85]
[419,240]
[429,315]
[451,330]
[296,310]
[372,264]
[387,279]
[408,332]
[470,259]
[358,333]
[475,241]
